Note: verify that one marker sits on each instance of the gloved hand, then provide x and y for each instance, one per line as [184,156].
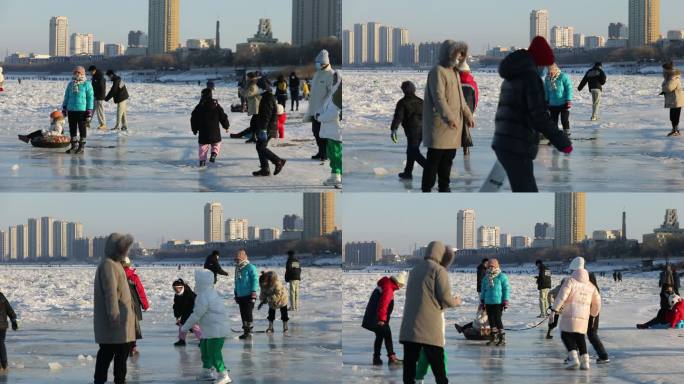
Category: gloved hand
[259,306]
[236,300]
[194,133]
[568,105]
[15,326]
[88,113]
[64,111]
[254,297]
[394,136]
[505,304]
[567,150]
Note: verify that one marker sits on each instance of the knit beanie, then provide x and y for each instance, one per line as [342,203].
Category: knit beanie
[541,52]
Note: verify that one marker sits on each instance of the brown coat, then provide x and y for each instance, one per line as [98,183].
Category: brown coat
[272,291]
[444,105]
[428,294]
[112,302]
[672,88]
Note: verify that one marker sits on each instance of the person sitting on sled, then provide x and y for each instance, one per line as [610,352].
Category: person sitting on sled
[56,128]
[477,327]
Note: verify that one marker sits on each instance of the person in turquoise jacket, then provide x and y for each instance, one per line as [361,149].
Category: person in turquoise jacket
[494,295]
[559,96]
[246,287]
[78,107]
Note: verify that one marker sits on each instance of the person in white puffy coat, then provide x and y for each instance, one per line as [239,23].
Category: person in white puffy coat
[331,130]
[321,89]
[579,299]
[211,315]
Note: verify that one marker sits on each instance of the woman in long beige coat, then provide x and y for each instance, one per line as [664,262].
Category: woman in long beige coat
[114,317]
[674,95]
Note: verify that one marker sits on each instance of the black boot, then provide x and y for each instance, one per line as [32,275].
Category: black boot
[81,146]
[548,334]
[203,163]
[492,338]
[406,176]
[502,339]
[24,138]
[247,331]
[213,157]
[262,172]
[377,360]
[74,142]
[270,327]
[279,166]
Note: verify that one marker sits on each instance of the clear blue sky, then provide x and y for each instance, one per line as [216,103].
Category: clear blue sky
[24,24]
[148,216]
[399,220]
[497,22]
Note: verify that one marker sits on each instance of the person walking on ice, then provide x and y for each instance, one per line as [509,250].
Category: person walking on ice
[321,90]
[78,108]
[119,93]
[183,304]
[212,317]
[245,291]
[409,114]
[494,297]
[543,286]
[596,79]
[674,95]
[274,294]
[293,275]
[212,263]
[266,128]
[206,120]
[579,300]
[6,312]
[559,96]
[330,117]
[100,91]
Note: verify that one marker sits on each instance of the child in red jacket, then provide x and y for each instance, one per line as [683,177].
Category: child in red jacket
[139,297]
[471,94]
[282,118]
[676,310]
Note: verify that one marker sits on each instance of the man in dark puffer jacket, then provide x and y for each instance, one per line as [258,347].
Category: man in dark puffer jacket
[266,128]
[522,115]
[409,113]
[596,79]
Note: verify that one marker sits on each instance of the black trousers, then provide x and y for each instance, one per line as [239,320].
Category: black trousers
[282,100]
[413,156]
[554,323]
[438,166]
[105,355]
[574,341]
[246,305]
[435,356]
[564,115]
[3,349]
[294,98]
[283,314]
[592,335]
[77,124]
[265,154]
[659,319]
[494,314]
[675,114]
[383,333]
[321,143]
[35,134]
[520,171]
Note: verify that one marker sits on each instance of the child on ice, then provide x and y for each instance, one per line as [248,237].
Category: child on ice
[273,293]
[78,108]
[56,128]
[211,315]
[282,119]
[205,120]
[139,297]
[183,304]
[5,312]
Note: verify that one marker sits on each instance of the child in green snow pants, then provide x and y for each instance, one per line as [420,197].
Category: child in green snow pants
[334,152]
[212,355]
[422,366]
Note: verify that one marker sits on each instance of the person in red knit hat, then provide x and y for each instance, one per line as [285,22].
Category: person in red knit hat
[523,114]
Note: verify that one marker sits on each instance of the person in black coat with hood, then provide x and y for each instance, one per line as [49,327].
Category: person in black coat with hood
[99,93]
[523,114]
[6,311]
[543,286]
[205,120]
[481,272]
[293,274]
[212,263]
[596,79]
[294,91]
[183,305]
[266,128]
[409,114]
[119,93]
[592,331]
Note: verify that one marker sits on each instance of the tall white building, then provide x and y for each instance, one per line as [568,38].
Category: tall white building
[98,48]
[253,233]
[539,24]
[163,27]
[59,31]
[213,222]
[59,229]
[4,245]
[374,42]
[34,239]
[237,229]
[46,236]
[578,40]
[348,47]
[400,37]
[386,45]
[360,44]
[74,232]
[488,237]
[21,243]
[569,218]
[644,22]
[81,44]
[313,20]
[504,240]
[465,229]
[562,37]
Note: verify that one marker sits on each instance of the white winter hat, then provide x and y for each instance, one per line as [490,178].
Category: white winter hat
[126,261]
[464,67]
[577,263]
[323,57]
[280,109]
[400,278]
[674,299]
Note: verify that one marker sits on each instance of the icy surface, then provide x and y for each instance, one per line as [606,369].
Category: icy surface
[55,342]
[160,152]
[638,356]
[627,149]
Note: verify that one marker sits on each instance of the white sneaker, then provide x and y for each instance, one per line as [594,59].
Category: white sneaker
[223,378]
[207,375]
[335,180]
[572,361]
[584,362]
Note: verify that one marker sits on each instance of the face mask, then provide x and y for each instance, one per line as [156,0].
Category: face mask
[542,71]
[319,66]
[181,292]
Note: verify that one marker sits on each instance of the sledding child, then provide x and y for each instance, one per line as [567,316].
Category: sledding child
[664,312]
[139,298]
[471,94]
[56,128]
[6,311]
[494,296]
[77,106]
[183,304]
[282,118]
[212,317]
[409,114]
[377,316]
[273,293]
[479,326]
[205,120]
[676,310]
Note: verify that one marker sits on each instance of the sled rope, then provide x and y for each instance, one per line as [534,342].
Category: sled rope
[527,328]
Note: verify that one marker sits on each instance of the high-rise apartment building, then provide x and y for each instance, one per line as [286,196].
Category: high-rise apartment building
[319,214]
[348,47]
[163,26]
[81,44]
[400,37]
[374,42]
[362,253]
[360,44]
[74,232]
[313,20]
[59,230]
[465,229]
[385,44]
[539,24]
[562,37]
[59,30]
[237,229]
[488,237]
[213,222]
[34,239]
[46,237]
[644,22]
[570,217]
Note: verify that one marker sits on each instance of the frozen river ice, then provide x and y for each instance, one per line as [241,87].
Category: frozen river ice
[159,154]
[638,356]
[55,309]
[626,151]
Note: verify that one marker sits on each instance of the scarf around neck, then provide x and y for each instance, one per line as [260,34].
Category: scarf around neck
[492,274]
[76,82]
[239,266]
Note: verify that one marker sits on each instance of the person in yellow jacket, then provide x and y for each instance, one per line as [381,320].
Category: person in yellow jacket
[306,90]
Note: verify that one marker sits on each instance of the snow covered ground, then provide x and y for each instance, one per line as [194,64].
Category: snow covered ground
[159,154]
[55,309]
[627,150]
[638,356]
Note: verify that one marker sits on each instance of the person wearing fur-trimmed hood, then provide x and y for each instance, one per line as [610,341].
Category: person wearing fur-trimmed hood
[674,95]
[6,312]
[428,294]
[330,118]
[495,293]
[113,317]
[273,293]
[321,89]
[377,316]
[409,114]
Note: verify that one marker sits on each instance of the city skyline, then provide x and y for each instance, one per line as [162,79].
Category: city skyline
[173,216]
[398,221]
[197,20]
[430,18]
